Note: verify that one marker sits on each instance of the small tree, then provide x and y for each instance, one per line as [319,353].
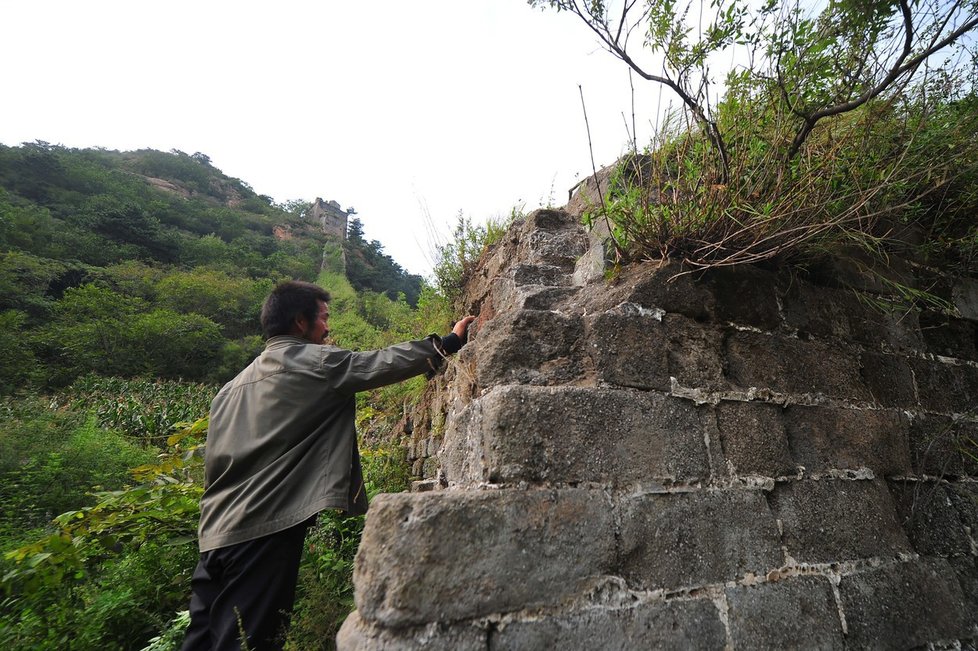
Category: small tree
[822,130]
[808,67]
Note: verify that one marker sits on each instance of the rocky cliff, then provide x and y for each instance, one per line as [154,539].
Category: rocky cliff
[745,458]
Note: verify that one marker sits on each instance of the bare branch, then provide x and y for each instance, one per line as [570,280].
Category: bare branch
[902,66]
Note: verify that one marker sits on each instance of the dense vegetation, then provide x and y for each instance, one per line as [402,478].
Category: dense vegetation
[846,124]
[130,285]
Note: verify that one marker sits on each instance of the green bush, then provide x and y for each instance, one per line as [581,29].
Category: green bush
[110,574]
[49,461]
[139,408]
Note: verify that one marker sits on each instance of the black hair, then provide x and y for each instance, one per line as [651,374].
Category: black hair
[288,301]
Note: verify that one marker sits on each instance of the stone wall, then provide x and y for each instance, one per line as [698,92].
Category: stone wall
[740,459]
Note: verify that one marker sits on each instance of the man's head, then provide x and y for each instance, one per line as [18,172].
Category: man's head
[296,308]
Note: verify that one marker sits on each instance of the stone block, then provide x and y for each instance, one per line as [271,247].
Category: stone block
[889,380]
[964,496]
[540,274]
[872,326]
[943,447]
[660,287]
[929,518]
[359,635]
[830,520]
[794,613]
[644,349]
[904,605]
[792,366]
[814,311]
[753,439]
[966,571]
[568,434]
[680,625]
[744,295]
[547,298]
[827,438]
[948,336]
[560,249]
[684,540]
[529,346]
[945,388]
[965,297]
[446,556]
[550,220]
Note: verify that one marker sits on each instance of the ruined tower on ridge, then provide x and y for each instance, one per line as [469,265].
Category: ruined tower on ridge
[330,216]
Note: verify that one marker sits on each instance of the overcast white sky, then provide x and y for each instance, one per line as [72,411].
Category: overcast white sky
[403,110]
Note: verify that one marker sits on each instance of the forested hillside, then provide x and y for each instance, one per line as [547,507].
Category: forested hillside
[134,263]
[130,288]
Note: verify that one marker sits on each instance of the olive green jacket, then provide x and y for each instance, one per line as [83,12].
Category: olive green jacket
[282,446]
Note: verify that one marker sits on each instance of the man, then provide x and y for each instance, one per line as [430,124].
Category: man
[281,447]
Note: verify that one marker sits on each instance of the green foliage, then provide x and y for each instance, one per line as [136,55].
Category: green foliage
[233,303]
[172,636]
[50,461]
[827,137]
[334,258]
[17,362]
[26,282]
[456,259]
[139,408]
[97,330]
[138,262]
[116,566]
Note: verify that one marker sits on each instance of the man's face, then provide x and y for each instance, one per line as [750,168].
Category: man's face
[318,330]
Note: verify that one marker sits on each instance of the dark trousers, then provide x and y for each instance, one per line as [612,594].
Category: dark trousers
[248,589]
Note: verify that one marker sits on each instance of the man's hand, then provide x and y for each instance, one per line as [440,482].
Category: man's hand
[462,326]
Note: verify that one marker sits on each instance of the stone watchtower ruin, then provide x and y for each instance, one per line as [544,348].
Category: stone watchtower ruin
[746,458]
[330,216]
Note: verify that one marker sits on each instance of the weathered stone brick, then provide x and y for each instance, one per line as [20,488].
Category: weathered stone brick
[870,326]
[570,434]
[948,336]
[630,350]
[945,388]
[964,496]
[558,248]
[671,625]
[644,351]
[550,220]
[826,438]
[813,311]
[889,380]
[660,287]
[929,518]
[794,613]
[792,366]
[540,274]
[848,314]
[546,298]
[446,556]
[744,295]
[359,635]
[965,297]
[691,539]
[753,438]
[529,346]
[943,447]
[836,520]
[904,605]
[966,570]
